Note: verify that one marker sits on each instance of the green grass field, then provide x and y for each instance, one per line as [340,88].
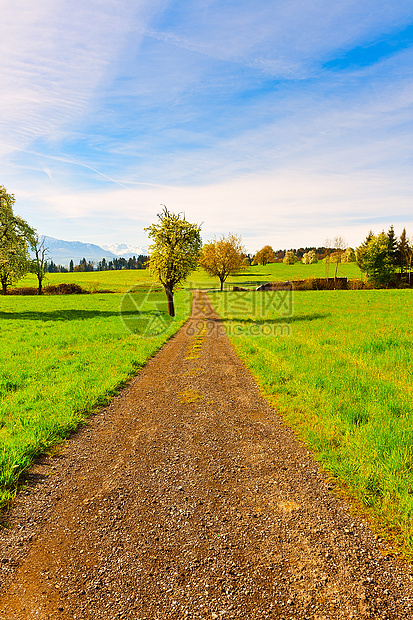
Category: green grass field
[343,380]
[121,281]
[116,281]
[337,365]
[61,357]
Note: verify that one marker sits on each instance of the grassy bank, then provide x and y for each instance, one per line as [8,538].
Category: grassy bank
[340,374]
[60,359]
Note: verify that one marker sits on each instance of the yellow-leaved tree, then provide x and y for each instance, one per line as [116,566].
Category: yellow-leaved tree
[223,257]
[264,256]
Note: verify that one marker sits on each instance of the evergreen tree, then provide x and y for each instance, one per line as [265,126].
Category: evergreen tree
[377,259]
[393,245]
[403,251]
[361,250]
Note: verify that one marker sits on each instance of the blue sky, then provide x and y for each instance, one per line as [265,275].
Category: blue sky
[284,121]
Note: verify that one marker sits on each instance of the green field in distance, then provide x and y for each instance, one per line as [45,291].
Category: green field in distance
[121,281]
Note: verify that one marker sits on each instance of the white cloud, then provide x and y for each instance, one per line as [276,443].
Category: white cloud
[220,109]
[287,208]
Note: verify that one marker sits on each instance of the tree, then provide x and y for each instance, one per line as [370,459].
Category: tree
[403,251]
[15,237]
[264,256]
[409,257]
[290,258]
[71,266]
[336,259]
[361,252]
[174,252]
[349,256]
[309,258]
[393,245]
[38,264]
[339,246]
[377,259]
[223,257]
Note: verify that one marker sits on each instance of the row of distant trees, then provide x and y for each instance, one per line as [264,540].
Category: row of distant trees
[177,247]
[385,259]
[103,265]
[268,255]
[307,255]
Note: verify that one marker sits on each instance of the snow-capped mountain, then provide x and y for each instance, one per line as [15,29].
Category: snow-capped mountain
[62,252]
[124,250]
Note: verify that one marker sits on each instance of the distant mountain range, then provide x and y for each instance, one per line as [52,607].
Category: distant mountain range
[126,251]
[62,252]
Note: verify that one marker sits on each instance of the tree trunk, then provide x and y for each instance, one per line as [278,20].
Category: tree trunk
[170,298]
[39,288]
[4,288]
[222,285]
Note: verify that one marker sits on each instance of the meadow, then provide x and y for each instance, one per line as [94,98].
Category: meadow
[121,281]
[62,357]
[338,367]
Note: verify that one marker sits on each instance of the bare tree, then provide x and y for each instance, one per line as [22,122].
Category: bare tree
[38,263]
[339,245]
[334,253]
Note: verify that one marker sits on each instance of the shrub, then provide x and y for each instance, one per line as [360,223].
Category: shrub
[64,289]
[303,285]
[355,285]
[23,290]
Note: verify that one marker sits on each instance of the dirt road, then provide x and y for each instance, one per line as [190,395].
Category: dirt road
[188,498]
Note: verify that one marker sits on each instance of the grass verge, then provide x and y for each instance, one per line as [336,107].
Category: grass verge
[338,368]
[61,358]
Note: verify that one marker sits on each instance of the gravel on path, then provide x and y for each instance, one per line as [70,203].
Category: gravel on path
[188,498]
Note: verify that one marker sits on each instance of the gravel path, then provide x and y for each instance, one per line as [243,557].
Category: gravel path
[187,498]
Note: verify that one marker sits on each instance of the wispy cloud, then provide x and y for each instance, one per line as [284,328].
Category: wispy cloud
[280,118]
[53,57]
